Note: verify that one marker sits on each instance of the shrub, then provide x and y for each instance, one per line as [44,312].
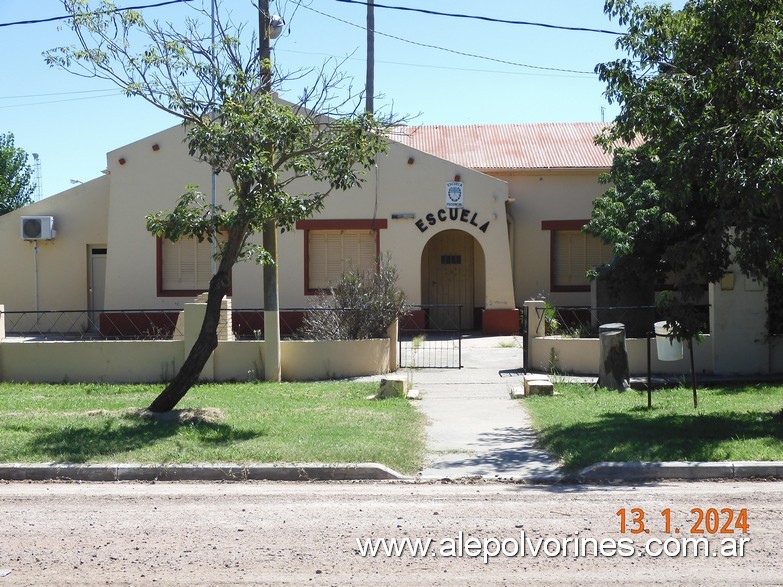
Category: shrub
[361,305]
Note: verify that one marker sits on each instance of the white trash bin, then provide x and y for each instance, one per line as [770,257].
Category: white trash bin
[669,349]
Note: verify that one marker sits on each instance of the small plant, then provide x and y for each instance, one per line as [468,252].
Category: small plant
[551,322]
[553,364]
[155,332]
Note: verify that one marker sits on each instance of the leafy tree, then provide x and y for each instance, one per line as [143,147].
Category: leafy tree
[223,94]
[16,187]
[697,178]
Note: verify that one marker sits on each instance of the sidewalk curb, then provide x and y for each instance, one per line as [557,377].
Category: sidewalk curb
[197,472]
[688,470]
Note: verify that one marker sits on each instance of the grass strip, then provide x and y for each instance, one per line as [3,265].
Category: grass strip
[583,425]
[326,422]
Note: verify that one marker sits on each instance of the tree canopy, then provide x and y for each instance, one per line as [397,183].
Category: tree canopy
[222,91]
[16,186]
[697,178]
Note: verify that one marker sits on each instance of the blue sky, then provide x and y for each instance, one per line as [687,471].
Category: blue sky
[71,122]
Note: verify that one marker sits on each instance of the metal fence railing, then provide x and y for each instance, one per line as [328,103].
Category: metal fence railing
[89,325]
[246,324]
[583,321]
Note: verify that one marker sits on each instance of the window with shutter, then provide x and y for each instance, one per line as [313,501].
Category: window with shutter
[334,246]
[184,267]
[573,254]
[331,253]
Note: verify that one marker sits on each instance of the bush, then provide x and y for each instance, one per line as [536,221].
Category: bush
[359,306]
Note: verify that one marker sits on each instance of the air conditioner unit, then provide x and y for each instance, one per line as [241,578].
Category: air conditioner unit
[33,228]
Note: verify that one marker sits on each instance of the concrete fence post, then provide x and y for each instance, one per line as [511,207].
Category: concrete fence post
[393,334]
[2,337]
[194,318]
[536,327]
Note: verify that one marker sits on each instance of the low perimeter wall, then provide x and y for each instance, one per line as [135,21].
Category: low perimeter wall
[581,356]
[156,361]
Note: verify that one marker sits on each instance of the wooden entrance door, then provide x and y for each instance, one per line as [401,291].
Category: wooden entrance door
[450,268]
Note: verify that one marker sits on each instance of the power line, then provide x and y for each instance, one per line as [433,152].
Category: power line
[67,16]
[455,52]
[485,18]
[429,66]
[80,99]
[49,94]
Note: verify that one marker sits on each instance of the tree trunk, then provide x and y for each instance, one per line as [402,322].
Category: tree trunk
[207,340]
[613,369]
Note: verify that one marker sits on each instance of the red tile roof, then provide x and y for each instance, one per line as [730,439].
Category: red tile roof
[511,146]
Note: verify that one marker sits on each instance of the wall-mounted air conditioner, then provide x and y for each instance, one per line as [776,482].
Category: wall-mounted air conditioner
[33,228]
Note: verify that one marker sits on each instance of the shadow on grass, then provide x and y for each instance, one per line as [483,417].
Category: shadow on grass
[78,444]
[627,437]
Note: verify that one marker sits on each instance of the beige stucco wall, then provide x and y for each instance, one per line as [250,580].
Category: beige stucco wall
[80,219]
[414,189]
[150,180]
[538,196]
[310,359]
[103,361]
[738,318]
[582,356]
[303,360]
[158,361]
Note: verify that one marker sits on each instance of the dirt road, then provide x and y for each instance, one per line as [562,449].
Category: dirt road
[306,534]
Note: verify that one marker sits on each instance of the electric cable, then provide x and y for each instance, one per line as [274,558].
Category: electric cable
[484,18]
[455,52]
[66,17]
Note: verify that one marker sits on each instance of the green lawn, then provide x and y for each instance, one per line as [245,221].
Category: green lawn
[263,423]
[583,425]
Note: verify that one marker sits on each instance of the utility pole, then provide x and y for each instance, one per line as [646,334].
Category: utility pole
[213,14]
[369,87]
[272,369]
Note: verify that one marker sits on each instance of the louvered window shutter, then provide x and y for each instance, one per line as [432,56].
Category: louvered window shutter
[186,265]
[574,253]
[333,252]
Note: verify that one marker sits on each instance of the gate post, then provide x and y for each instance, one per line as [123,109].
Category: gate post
[525,348]
[393,334]
[536,354]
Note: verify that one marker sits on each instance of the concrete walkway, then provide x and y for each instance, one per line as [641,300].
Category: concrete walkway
[475,428]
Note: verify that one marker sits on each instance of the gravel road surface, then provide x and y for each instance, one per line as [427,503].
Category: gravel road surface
[306,533]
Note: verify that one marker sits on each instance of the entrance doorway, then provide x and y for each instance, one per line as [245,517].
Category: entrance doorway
[448,276]
[96,276]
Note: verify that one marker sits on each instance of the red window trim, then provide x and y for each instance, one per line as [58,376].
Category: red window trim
[350,224]
[563,224]
[173,293]
[553,226]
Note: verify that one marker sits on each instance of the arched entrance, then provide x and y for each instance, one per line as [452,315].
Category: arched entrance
[452,272]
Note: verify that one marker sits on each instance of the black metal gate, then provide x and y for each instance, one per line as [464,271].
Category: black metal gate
[525,317]
[432,337]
